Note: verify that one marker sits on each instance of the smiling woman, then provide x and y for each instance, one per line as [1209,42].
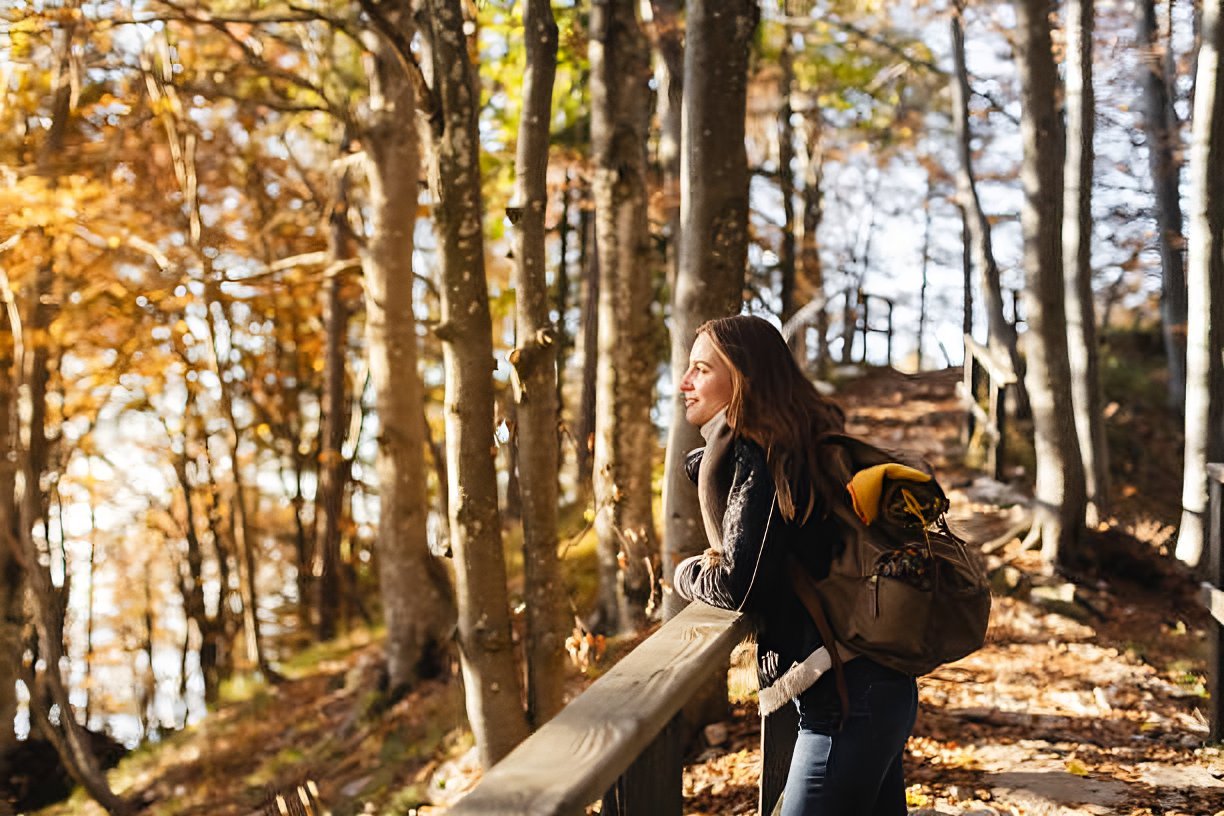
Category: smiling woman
[763,493]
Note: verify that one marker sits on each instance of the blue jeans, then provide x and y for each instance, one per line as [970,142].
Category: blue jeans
[855,770]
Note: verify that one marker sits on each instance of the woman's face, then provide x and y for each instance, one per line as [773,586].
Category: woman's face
[707,383]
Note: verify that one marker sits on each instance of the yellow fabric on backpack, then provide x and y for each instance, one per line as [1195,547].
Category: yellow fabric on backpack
[867,484]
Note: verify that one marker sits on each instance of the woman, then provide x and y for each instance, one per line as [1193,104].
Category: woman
[763,497]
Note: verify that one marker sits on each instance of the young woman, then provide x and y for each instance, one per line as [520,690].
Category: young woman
[763,498]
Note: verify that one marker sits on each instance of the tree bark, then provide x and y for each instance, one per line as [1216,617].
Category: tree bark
[1059,512]
[334,408]
[11,583]
[418,607]
[590,352]
[788,285]
[491,678]
[1205,329]
[713,238]
[624,435]
[240,521]
[1077,259]
[812,279]
[1001,333]
[535,362]
[668,39]
[1161,127]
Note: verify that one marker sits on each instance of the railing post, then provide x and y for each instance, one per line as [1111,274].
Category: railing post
[778,732]
[1212,590]
[654,782]
[994,450]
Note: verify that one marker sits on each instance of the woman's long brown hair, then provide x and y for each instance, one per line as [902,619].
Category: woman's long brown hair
[776,406]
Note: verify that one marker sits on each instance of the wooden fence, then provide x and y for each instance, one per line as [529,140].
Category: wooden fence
[1213,599]
[620,740]
[981,364]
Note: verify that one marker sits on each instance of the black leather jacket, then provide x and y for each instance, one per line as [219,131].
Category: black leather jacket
[750,573]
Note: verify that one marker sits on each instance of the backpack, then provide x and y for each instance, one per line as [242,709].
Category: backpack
[904,589]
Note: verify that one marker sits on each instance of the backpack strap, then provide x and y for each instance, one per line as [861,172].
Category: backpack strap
[802,583]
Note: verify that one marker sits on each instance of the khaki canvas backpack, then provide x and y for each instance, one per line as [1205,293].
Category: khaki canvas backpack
[904,589]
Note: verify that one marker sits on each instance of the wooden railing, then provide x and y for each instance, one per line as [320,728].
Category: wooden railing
[979,363]
[1213,599]
[620,740]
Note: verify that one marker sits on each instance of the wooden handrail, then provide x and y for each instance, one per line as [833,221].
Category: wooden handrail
[580,754]
[999,370]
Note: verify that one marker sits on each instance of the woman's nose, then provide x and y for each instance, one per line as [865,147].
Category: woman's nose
[686,384]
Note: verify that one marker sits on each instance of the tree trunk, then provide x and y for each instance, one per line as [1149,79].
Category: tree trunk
[1059,490]
[668,38]
[624,435]
[418,606]
[1205,330]
[590,351]
[1161,127]
[713,238]
[812,283]
[535,362]
[1077,259]
[1001,333]
[491,678]
[334,407]
[240,523]
[926,264]
[786,180]
[11,585]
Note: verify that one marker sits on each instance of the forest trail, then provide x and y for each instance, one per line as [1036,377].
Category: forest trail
[1087,698]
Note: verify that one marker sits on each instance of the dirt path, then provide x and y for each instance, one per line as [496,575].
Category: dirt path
[1088,697]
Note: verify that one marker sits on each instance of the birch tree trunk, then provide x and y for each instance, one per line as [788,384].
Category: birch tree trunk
[1059,512]
[418,605]
[1161,127]
[1077,259]
[624,380]
[491,678]
[535,361]
[1001,333]
[713,237]
[1205,330]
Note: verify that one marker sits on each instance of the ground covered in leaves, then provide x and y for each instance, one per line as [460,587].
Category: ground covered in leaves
[1087,699]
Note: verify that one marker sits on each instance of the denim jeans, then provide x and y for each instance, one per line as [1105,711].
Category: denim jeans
[854,770]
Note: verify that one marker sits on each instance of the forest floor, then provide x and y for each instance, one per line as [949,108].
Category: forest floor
[1087,699]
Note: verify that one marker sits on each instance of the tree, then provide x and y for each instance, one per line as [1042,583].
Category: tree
[1205,329]
[713,236]
[535,363]
[1163,146]
[11,583]
[1059,506]
[667,35]
[624,436]
[1077,259]
[334,412]
[1001,333]
[419,620]
[491,679]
